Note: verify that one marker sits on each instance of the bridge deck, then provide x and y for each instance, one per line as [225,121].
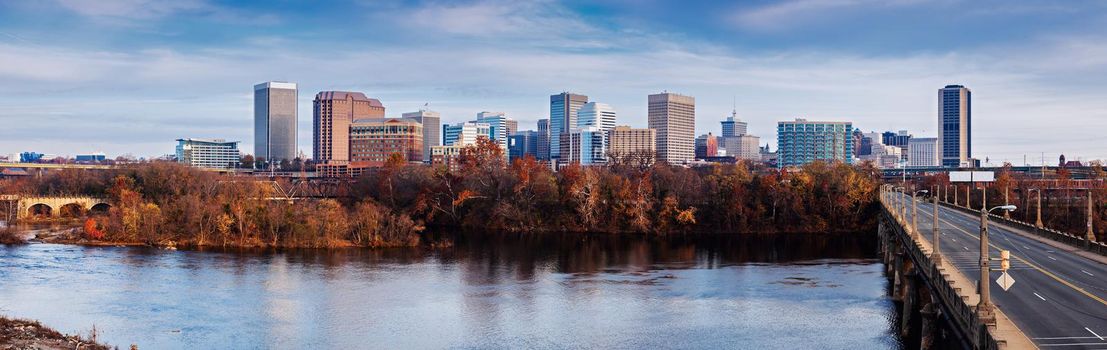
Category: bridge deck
[1060,295]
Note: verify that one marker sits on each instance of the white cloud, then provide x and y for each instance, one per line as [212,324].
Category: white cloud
[787,14]
[133,9]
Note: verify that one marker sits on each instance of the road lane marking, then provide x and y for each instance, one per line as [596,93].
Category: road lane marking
[1051,258]
[1039,296]
[1093,333]
[1043,271]
[966,248]
[1025,247]
[1088,273]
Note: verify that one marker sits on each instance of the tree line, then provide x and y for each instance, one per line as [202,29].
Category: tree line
[392,206]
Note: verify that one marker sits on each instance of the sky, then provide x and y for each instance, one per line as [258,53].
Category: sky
[131,76]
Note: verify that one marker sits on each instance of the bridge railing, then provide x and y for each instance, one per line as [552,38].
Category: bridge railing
[1075,241]
[961,313]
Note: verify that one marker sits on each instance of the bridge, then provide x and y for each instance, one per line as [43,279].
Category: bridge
[23,207]
[1059,299]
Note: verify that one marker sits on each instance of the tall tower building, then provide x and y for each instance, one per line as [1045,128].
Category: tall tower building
[674,118]
[733,126]
[955,125]
[500,125]
[332,114]
[432,129]
[275,121]
[563,117]
[600,115]
[543,139]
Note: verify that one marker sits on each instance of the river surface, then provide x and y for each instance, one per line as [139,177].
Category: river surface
[490,291]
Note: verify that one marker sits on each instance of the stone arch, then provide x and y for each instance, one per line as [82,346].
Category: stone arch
[40,209]
[99,209]
[71,210]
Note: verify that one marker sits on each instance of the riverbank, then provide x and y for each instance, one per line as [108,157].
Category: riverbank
[25,334]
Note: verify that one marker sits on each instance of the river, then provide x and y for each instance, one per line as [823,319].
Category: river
[487,291]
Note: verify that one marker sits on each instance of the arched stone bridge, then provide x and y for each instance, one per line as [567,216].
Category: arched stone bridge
[65,206]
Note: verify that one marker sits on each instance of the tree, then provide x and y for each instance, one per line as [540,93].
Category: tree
[247,162]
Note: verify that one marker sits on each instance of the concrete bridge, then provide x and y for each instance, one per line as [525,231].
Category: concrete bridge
[54,206]
[938,254]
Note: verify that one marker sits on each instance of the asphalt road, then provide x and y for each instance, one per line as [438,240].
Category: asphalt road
[1059,299]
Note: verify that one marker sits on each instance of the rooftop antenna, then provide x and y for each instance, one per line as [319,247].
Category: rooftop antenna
[734,107]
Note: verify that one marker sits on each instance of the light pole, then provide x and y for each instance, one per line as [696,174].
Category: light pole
[936,256]
[985,310]
[1090,235]
[955,195]
[915,213]
[1006,201]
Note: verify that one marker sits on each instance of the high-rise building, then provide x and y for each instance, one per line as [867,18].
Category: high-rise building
[707,146]
[585,145]
[742,147]
[543,139]
[373,141]
[432,129]
[498,123]
[923,152]
[563,117]
[898,139]
[208,153]
[674,118]
[801,141]
[955,125]
[512,127]
[464,134]
[333,112]
[733,126]
[523,143]
[596,114]
[624,140]
[275,121]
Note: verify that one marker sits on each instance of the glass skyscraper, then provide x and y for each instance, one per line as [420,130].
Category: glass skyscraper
[563,117]
[275,121]
[955,125]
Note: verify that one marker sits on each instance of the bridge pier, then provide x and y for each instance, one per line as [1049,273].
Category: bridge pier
[909,292]
[929,330]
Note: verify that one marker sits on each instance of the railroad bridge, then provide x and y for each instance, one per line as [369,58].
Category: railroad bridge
[55,206]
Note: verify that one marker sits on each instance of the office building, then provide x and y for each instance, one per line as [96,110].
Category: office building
[707,146]
[563,117]
[544,139]
[596,114]
[800,142]
[522,144]
[674,118]
[585,146]
[333,113]
[90,158]
[208,153]
[955,125]
[742,147]
[733,126]
[898,139]
[373,141]
[512,127]
[923,152]
[275,117]
[624,140]
[464,134]
[498,126]
[432,129]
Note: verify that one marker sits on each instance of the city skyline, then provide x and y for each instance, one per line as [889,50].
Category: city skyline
[817,68]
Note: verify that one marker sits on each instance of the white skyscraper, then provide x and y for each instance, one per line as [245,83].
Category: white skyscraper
[596,114]
[922,152]
[674,118]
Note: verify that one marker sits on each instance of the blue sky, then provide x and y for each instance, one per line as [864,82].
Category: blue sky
[130,76]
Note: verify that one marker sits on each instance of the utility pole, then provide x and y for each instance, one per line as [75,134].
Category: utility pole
[968,196]
[985,311]
[1006,201]
[954,195]
[1039,222]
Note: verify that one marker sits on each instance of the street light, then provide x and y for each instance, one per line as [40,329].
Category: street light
[915,213]
[902,202]
[985,310]
[936,256]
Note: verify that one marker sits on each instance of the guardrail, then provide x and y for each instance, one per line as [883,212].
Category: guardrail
[961,313]
[1051,234]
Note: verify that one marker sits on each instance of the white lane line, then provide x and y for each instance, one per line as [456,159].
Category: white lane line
[966,248]
[1087,273]
[1049,251]
[1025,247]
[1051,258]
[1039,296]
[1093,333]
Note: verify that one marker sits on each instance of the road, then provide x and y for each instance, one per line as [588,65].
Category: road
[1059,299]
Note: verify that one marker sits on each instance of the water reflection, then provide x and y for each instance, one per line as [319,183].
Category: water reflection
[517,291]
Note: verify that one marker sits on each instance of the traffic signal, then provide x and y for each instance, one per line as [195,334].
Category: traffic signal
[1004,260]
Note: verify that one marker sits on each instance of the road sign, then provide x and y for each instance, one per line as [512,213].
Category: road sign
[972,176]
[1005,281]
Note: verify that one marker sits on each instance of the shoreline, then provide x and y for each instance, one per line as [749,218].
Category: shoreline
[18,333]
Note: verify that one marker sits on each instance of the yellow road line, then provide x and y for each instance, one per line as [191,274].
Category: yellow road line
[1047,273]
